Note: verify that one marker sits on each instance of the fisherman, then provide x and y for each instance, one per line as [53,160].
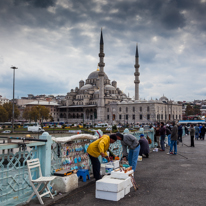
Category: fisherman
[97,148]
[130,141]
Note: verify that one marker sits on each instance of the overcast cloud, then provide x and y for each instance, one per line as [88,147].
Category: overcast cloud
[55,44]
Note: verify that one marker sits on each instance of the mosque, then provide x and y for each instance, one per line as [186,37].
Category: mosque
[98,100]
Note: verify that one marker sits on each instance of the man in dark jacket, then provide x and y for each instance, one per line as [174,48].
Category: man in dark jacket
[162,134]
[180,133]
[130,141]
[192,134]
[174,138]
[144,146]
[202,134]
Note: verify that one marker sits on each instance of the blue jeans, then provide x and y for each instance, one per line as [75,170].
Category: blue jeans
[196,135]
[169,139]
[163,142]
[133,157]
[173,143]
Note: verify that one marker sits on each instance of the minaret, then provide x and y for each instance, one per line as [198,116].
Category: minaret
[101,106]
[136,74]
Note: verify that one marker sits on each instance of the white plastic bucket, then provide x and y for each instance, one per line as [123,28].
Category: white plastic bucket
[108,168]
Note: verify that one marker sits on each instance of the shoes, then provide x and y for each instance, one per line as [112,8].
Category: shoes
[161,150]
[170,153]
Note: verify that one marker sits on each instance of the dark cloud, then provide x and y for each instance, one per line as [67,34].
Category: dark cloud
[64,35]
[36,3]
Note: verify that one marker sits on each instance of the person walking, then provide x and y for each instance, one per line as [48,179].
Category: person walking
[157,134]
[162,134]
[174,138]
[97,148]
[180,133]
[192,134]
[196,132]
[144,146]
[130,141]
[168,133]
[202,134]
[200,127]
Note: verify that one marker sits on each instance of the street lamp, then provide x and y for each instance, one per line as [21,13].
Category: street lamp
[13,96]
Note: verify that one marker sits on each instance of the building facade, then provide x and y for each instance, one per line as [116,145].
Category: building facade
[100,100]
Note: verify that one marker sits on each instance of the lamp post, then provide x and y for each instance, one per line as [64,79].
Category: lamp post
[13,96]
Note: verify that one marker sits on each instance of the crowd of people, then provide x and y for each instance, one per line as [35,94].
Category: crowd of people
[174,133]
[140,147]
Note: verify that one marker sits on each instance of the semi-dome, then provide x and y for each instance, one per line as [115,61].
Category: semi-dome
[109,87]
[86,86]
[94,75]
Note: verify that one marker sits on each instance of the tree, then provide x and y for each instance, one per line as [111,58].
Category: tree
[27,113]
[196,110]
[43,112]
[9,108]
[189,110]
[3,114]
[34,113]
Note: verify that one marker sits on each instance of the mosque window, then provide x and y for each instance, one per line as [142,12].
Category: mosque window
[126,109]
[140,116]
[148,116]
[107,109]
[120,109]
[161,116]
[108,117]
[179,116]
[133,109]
[148,108]
[127,116]
[140,109]
[165,116]
[133,116]
[120,116]
[176,116]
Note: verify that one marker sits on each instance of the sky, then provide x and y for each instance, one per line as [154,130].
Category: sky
[55,44]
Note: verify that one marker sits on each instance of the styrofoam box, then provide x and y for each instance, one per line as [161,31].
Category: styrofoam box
[115,163]
[111,184]
[122,175]
[127,190]
[113,196]
[102,172]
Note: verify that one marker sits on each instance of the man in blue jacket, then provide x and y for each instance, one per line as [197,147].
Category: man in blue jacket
[130,141]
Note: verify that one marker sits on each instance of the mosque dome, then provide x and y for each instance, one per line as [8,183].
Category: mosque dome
[109,87]
[94,75]
[86,86]
[163,99]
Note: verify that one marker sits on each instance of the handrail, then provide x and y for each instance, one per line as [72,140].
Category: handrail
[16,145]
[23,138]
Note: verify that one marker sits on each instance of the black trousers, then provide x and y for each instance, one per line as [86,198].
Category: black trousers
[96,167]
[192,141]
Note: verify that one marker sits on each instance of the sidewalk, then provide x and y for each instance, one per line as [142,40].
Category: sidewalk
[162,179]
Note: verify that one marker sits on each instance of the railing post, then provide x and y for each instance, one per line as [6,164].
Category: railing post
[45,154]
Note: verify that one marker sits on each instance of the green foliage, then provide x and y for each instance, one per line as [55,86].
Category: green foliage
[114,127]
[3,114]
[9,108]
[192,110]
[36,113]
